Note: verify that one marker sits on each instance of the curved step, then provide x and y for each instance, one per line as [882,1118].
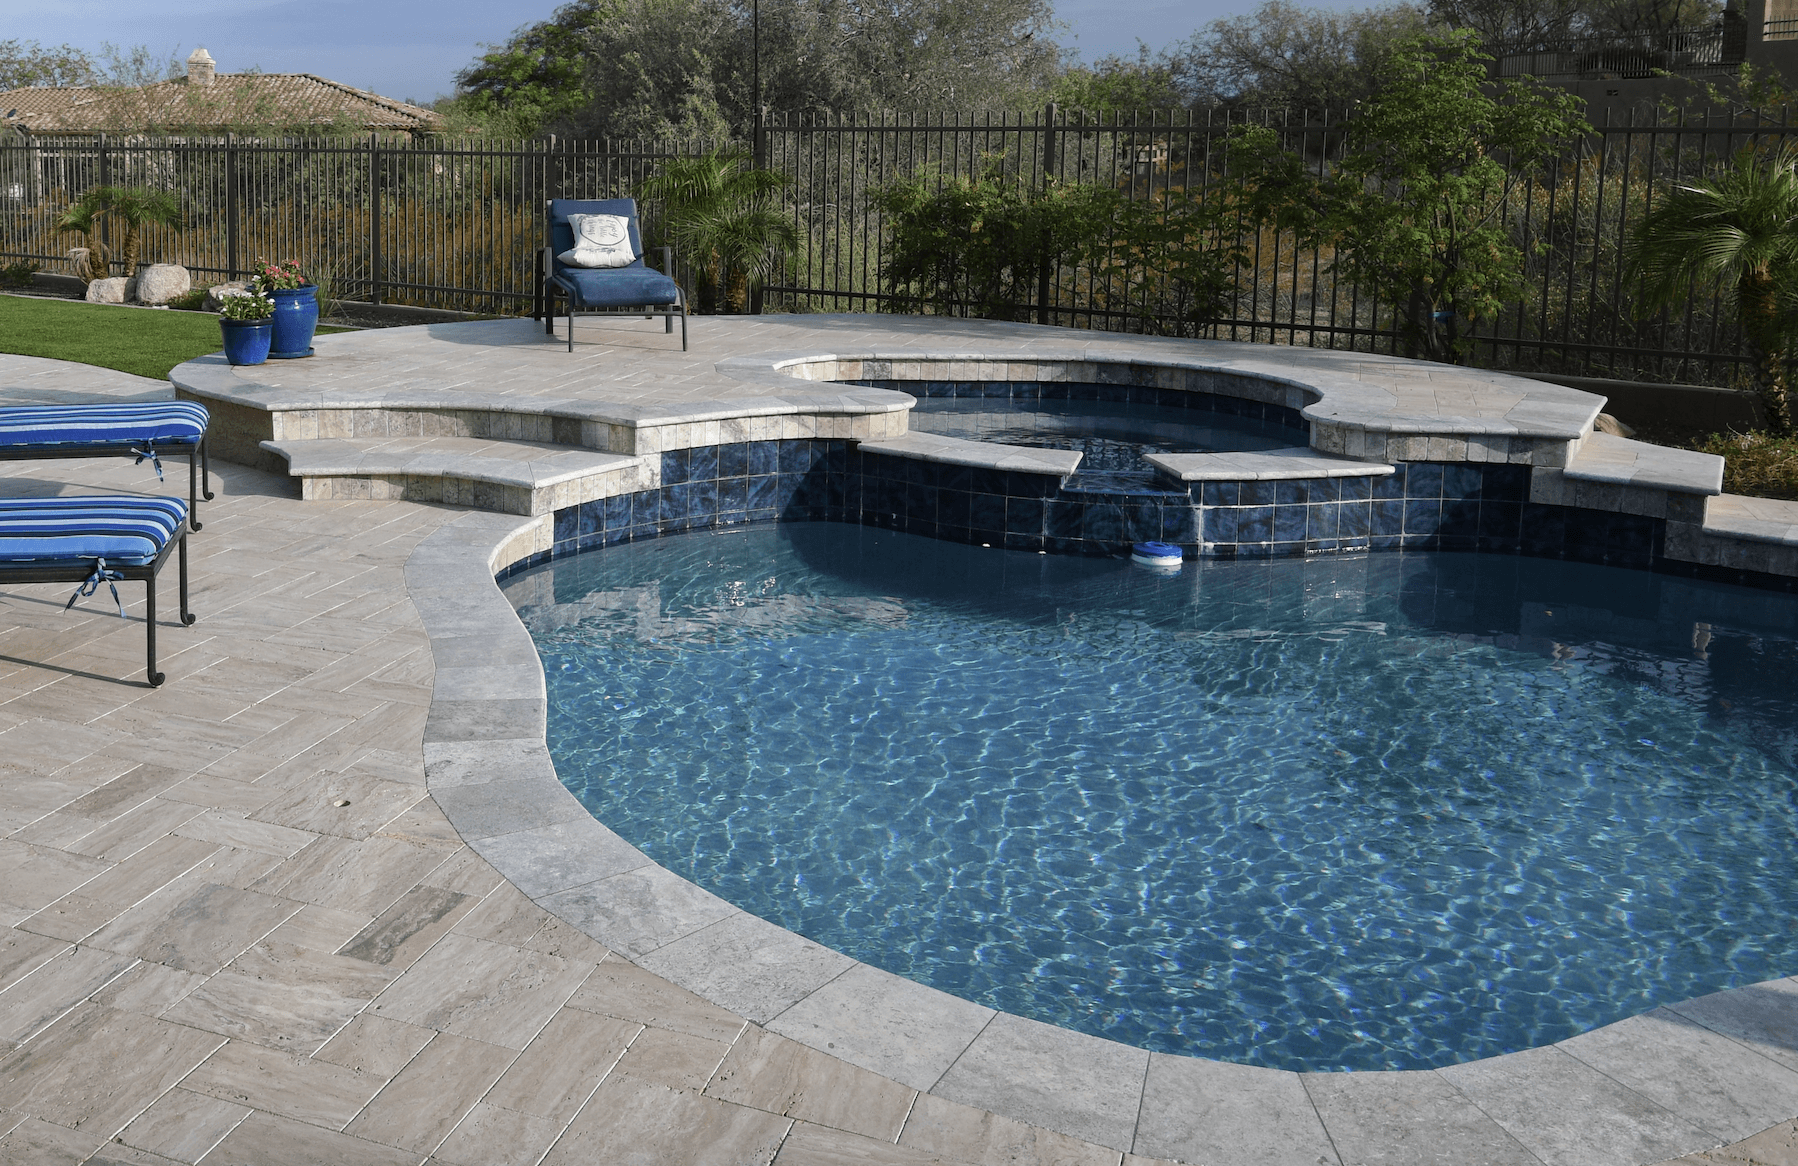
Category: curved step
[510,477]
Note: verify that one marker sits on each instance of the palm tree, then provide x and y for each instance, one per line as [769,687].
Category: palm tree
[722,215]
[1739,229]
[130,206]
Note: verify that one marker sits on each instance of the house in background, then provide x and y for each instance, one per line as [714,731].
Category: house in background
[208,102]
[1624,76]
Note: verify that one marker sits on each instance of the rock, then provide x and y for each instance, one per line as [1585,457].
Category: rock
[161,282]
[218,293]
[1609,424]
[116,290]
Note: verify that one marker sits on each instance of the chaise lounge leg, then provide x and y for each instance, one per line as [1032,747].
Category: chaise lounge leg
[187,617]
[156,677]
[193,489]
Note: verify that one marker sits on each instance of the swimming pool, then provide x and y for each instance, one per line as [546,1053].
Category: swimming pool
[1390,811]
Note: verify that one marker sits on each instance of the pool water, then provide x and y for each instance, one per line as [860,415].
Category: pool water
[1111,436]
[1380,812]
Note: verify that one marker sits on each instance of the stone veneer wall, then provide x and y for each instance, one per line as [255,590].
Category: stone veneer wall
[1422,506]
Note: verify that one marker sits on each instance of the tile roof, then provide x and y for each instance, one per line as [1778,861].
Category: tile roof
[233,100]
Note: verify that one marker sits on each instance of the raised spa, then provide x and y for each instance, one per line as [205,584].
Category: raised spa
[1354,812]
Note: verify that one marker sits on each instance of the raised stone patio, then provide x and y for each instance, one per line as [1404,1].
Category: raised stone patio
[212,959]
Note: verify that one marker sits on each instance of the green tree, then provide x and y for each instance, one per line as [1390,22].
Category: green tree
[724,217]
[1414,209]
[1738,229]
[1300,58]
[132,208]
[534,81]
[26,63]
[1121,83]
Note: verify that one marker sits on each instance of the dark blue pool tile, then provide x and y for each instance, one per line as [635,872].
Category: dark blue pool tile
[702,464]
[1256,494]
[1025,516]
[1103,522]
[1220,524]
[1254,524]
[1462,481]
[566,524]
[1423,516]
[587,542]
[1423,480]
[733,460]
[1386,518]
[1500,520]
[674,466]
[1457,542]
[1280,550]
[1180,525]
[733,495]
[920,503]
[1323,489]
[955,477]
[1505,483]
[1142,522]
[764,457]
[618,511]
[1358,543]
[987,481]
[1419,542]
[835,456]
[795,456]
[1219,493]
[1543,530]
[1056,391]
[702,503]
[1291,493]
[764,514]
[1353,520]
[1460,518]
[1015,541]
[987,512]
[1063,519]
[761,492]
[1290,523]
[1322,521]
[1388,487]
[1354,489]
[591,517]
[995,389]
[955,507]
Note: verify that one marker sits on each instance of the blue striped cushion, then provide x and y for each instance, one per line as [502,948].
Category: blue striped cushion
[159,422]
[125,530]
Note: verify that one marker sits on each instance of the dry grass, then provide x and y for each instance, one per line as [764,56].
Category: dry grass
[1756,464]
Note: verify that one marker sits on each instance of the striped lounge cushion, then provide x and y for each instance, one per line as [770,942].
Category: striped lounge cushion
[125,530]
[162,423]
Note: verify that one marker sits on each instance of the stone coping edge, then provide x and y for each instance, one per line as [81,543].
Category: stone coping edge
[1270,465]
[1672,1081]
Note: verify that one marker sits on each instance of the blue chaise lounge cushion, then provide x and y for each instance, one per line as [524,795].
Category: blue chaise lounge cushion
[160,423]
[631,286]
[125,530]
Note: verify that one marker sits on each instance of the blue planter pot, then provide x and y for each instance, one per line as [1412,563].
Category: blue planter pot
[247,341]
[296,315]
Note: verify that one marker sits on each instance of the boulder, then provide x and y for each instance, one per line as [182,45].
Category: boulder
[218,293]
[161,282]
[116,290]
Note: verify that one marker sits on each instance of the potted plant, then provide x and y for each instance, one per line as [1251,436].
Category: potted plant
[295,300]
[247,321]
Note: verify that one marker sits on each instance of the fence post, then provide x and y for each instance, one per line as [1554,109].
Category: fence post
[105,173]
[374,218]
[1043,308]
[231,208]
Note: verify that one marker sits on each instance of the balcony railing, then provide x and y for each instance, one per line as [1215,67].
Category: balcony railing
[1638,55]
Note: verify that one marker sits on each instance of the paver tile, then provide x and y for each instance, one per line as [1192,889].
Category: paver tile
[316,1092]
[962,1133]
[432,1093]
[620,988]
[485,991]
[351,875]
[562,1067]
[770,1072]
[494,1136]
[633,1123]
[269,1140]
[407,929]
[674,1059]
[40,1143]
[193,925]
[34,1002]
[183,1125]
[812,1145]
[96,1067]
[376,1045]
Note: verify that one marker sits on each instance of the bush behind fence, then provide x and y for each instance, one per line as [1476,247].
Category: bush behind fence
[453,224]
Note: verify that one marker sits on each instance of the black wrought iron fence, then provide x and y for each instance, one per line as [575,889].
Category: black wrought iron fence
[453,223]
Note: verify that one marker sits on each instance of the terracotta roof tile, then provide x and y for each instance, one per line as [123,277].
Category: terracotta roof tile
[283,100]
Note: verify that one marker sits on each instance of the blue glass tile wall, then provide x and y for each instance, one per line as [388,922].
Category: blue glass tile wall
[1422,506]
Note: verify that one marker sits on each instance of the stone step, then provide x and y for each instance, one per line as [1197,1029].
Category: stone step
[1762,520]
[1619,461]
[1263,466]
[510,477]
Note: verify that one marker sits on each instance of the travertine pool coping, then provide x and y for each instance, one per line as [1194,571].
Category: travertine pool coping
[1669,1082]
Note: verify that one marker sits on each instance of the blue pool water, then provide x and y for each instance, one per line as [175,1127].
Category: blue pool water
[1377,812]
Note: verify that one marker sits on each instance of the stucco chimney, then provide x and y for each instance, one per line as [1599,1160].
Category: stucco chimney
[199,67]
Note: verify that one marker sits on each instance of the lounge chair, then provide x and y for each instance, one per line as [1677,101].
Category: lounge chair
[95,540]
[625,290]
[146,430]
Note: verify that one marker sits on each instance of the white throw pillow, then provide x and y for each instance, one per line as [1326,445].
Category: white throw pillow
[599,241]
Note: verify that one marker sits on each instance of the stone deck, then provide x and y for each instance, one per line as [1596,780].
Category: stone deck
[263,914]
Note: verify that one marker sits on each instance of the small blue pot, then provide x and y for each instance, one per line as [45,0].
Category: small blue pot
[247,341]
[296,316]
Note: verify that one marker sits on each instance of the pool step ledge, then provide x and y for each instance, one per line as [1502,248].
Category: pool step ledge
[1269,465]
[509,477]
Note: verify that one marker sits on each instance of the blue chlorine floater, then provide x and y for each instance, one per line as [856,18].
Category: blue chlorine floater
[1156,554]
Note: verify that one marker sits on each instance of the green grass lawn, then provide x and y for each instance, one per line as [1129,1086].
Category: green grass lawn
[131,340]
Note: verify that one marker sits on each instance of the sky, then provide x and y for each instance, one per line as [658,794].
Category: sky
[411,49]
